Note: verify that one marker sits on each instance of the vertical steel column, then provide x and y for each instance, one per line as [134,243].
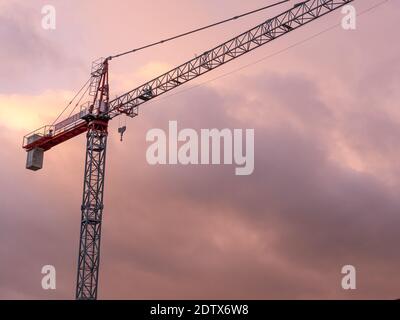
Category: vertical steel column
[92,210]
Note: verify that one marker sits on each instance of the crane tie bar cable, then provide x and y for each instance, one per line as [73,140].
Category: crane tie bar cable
[68,105]
[197,30]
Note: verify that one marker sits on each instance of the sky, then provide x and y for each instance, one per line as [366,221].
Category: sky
[324,192]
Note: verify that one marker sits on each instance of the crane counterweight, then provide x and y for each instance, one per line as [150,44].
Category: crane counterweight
[34,159]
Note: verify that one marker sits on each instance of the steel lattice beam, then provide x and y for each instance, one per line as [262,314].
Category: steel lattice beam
[299,15]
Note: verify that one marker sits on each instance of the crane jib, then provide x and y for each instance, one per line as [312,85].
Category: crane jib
[95,123]
[300,14]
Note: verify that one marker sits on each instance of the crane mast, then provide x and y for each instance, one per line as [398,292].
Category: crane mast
[94,121]
[93,188]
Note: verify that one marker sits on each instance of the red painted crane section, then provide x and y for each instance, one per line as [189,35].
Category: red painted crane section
[47,137]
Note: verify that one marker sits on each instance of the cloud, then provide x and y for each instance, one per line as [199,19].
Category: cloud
[303,215]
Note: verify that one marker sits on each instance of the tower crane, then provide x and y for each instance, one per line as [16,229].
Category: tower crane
[94,118]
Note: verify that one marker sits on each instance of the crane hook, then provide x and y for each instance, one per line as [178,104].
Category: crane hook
[121,130]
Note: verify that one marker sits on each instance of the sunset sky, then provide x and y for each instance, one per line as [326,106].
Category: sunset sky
[324,192]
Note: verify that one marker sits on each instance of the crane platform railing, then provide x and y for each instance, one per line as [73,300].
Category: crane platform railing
[43,136]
